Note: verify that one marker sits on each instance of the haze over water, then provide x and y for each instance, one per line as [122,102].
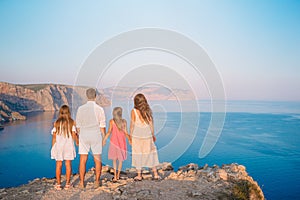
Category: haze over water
[262,138]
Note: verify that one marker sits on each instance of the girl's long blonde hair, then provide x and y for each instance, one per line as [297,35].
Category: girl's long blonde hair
[117,117]
[141,104]
[64,123]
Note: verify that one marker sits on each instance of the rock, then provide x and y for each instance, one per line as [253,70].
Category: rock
[145,172]
[143,194]
[195,193]
[215,167]
[111,170]
[40,192]
[241,168]
[147,176]
[17,116]
[25,192]
[191,166]
[205,166]
[165,166]
[40,97]
[106,168]
[210,183]
[234,168]
[222,174]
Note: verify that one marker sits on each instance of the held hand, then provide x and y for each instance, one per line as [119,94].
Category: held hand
[129,139]
[154,138]
[104,142]
[77,143]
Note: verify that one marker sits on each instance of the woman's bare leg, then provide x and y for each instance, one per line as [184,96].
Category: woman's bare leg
[154,171]
[139,174]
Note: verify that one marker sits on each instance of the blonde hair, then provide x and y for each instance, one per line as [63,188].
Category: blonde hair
[117,117]
[64,123]
[141,104]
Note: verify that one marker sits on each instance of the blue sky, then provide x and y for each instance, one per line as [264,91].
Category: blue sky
[255,45]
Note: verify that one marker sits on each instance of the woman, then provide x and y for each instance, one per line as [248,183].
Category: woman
[144,152]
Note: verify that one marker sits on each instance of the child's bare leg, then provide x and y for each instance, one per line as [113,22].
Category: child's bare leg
[119,169]
[68,171]
[115,169]
[58,171]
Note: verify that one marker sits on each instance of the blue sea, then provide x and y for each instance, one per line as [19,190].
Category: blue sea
[263,136]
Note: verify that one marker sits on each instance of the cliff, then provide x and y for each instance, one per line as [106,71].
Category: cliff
[16,99]
[189,182]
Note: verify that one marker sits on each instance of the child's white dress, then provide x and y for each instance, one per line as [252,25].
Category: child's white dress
[64,148]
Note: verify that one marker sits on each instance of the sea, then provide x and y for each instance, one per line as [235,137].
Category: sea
[263,136]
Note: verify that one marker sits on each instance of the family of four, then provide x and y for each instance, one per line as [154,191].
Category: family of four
[89,132]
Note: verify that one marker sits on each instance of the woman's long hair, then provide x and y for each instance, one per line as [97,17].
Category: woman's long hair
[117,117]
[141,104]
[64,123]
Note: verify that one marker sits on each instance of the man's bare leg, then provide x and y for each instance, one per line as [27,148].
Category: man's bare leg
[82,167]
[98,168]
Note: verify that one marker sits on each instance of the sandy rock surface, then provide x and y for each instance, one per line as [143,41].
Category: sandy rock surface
[189,182]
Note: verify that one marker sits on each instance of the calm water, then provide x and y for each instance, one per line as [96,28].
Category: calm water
[265,138]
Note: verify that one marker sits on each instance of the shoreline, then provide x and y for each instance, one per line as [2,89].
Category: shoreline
[188,182]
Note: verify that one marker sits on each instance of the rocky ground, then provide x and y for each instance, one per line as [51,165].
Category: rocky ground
[189,182]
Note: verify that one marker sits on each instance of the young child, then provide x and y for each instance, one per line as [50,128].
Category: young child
[63,149]
[117,148]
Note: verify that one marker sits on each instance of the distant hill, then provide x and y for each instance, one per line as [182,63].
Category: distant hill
[152,93]
[16,99]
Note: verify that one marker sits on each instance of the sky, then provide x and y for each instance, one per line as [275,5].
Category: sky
[255,45]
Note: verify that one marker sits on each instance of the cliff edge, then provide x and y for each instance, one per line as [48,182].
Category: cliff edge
[189,182]
[18,99]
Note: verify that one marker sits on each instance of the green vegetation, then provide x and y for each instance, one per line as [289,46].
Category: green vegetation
[35,87]
[242,190]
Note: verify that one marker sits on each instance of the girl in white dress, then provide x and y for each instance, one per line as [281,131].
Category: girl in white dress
[63,149]
[144,152]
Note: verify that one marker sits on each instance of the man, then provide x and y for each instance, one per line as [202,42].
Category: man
[90,121]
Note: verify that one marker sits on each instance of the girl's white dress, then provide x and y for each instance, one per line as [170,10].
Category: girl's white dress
[64,148]
[144,152]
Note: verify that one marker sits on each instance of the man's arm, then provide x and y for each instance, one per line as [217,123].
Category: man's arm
[103,130]
[78,121]
[102,122]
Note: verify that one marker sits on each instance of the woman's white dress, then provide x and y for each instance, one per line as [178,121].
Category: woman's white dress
[144,152]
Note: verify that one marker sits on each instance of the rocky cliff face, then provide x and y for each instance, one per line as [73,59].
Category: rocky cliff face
[189,182]
[16,99]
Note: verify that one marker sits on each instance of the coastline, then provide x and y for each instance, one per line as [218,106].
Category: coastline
[188,182]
